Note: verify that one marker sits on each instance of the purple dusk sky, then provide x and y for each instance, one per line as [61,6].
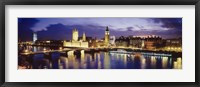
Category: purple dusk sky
[61,28]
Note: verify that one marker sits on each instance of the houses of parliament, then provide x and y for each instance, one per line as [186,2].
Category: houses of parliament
[83,42]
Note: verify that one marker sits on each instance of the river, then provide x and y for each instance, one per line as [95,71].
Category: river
[112,60]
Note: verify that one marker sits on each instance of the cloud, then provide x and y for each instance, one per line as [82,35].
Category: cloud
[130,28]
[171,23]
[24,28]
[61,28]
[139,26]
[64,32]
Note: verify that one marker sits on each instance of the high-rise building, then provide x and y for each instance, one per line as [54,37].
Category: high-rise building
[107,36]
[75,35]
[34,37]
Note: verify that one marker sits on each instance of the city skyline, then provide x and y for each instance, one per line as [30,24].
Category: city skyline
[100,43]
[61,28]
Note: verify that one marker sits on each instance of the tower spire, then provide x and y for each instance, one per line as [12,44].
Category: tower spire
[75,35]
[84,37]
[107,28]
[107,37]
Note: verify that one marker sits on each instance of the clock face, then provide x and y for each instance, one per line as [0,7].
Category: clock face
[107,32]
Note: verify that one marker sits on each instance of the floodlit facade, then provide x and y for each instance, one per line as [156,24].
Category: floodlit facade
[112,40]
[75,42]
[107,37]
[75,35]
[84,37]
[34,37]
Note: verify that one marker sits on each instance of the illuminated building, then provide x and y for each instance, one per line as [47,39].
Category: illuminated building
[152,42]
[142,43]
[112,40]
[75,42]
[136,42]
[74,35]
[149,45]
[122,41]
[84,37]
[173,44]
[149,42]
[93,43]
[107,36]
[34,37]
[131,41]
[100,43]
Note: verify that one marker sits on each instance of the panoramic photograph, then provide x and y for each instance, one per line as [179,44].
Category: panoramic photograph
[99,43]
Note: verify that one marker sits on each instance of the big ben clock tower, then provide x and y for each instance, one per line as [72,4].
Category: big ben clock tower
[107,36]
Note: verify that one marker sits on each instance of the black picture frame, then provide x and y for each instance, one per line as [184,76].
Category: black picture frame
[98,2]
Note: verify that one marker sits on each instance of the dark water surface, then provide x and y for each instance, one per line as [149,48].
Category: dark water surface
[104,60]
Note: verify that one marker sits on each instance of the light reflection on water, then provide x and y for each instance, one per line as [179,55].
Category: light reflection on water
[108,60]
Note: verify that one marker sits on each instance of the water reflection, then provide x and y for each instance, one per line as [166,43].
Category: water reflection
[106,60]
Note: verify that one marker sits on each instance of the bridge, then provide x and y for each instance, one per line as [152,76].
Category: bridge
[67,49]
[77,50]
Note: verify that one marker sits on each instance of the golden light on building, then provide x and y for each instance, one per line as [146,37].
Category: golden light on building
[75,42]
[47,41]
[26,51]
[107,36]
[60,48]
[44,49]
[176,49]
[75,35]
[84,37]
